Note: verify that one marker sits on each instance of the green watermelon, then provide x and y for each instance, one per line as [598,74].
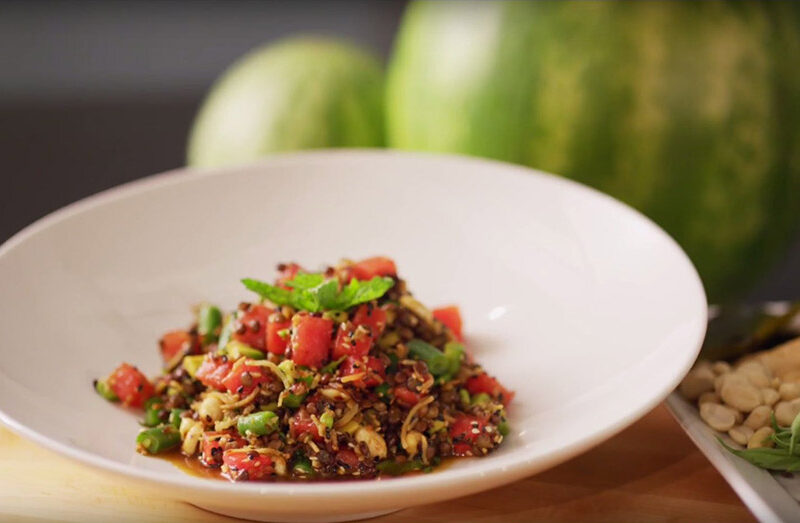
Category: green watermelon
[686,110]
[300,93]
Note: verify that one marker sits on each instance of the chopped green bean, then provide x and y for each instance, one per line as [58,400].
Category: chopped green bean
[293,401]
[437,362]
[327,419]
[503,428]
[104,389]
[209,322]
[480,399]
[158,439]
[463,395]
[272,406]
[289,372]
[454,352]
[302,465]
[258,423]
[175,417]
[152,412]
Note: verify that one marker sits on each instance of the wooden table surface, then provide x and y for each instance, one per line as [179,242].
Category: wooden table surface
[650,472]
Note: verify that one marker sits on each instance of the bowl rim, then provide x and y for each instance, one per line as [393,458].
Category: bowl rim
[488,474]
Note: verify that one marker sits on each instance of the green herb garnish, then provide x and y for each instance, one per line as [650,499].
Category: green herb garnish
[313,293]
[794,431]
[767,458]
[785,457]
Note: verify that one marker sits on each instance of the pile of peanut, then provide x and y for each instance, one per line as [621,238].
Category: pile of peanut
[740,399]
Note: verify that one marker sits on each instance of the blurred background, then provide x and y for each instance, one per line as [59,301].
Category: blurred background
[94,94]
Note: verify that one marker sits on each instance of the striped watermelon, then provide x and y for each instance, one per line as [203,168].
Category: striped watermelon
[300,93]
[686,110]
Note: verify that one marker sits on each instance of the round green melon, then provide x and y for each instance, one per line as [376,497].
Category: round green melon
[300,93]
[686,110]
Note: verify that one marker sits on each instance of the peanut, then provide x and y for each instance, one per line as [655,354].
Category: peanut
[718,417]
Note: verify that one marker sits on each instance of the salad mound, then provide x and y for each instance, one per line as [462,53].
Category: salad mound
[336,374]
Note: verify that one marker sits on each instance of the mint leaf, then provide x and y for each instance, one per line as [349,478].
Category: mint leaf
[327,294]
[276,295]
[305,299]
[313,293]
[357,292]
[347,294]
[305,281]
[372,290]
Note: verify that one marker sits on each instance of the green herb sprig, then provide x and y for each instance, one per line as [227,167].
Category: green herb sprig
[767,458]
[313,293]
[784,457]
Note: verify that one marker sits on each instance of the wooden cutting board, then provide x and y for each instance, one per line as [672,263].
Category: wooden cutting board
[650,472]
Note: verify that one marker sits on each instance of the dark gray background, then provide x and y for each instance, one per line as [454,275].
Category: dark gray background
[93,94]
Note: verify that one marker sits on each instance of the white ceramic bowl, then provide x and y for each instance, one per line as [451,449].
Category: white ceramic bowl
[584,307]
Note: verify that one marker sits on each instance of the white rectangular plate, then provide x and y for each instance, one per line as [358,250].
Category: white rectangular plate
[770,497]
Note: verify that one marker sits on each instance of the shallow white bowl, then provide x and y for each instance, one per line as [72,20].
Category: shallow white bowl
[584,307]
